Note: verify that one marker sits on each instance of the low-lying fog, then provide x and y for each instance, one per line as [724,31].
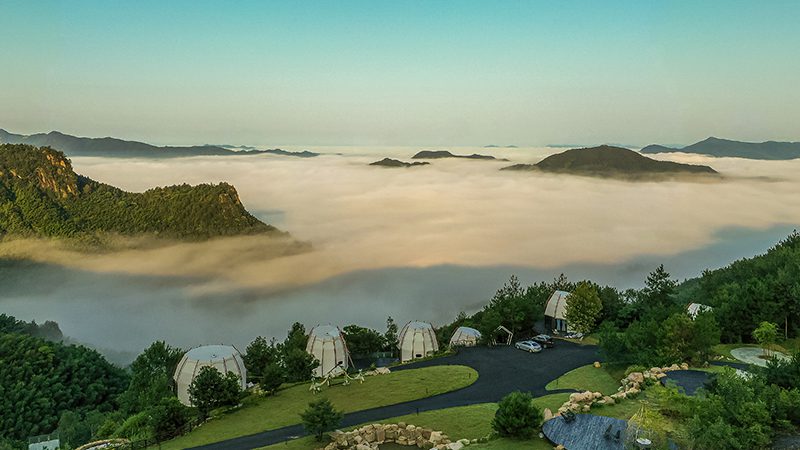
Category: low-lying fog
[423,242]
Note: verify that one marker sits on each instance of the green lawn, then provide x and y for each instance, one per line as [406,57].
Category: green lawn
[586,378]
[284,408]
[464,422]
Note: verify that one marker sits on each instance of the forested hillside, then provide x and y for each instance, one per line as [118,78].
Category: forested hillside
[40,195]
[40,380]
[752,290]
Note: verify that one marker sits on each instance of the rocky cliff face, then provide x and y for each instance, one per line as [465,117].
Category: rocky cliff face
[50,170]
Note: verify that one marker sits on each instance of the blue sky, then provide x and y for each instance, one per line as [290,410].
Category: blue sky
[402,72]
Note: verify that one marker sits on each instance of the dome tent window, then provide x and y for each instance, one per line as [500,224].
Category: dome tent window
[417,340]
[224,358]
[326,343]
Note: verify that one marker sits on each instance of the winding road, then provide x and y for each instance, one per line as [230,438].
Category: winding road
[501,370]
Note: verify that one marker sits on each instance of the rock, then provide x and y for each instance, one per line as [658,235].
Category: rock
[608,400]
[660,375]
[464,442]
[674,367]
[455,446]
[547,414]
[382,371]
[684,366]
[636,377]
[559,447]
[597,395]
[597,364]
[435,437]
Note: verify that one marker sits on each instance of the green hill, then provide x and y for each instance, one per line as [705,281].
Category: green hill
[606,160]
[40,195]
[770,150]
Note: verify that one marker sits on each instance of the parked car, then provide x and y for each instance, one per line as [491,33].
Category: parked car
[528,346]
[544,340]
[573,335]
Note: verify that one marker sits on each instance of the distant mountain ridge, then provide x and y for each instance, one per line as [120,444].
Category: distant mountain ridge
[609,161]
[440,154]
[712,146]
[389,162]
[40,195]
[118,148]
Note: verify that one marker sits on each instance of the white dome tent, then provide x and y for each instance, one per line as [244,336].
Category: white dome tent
[465,337]
[327,344]
[417,340]
[224,358]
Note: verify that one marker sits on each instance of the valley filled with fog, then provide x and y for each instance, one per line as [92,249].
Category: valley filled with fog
[415,243]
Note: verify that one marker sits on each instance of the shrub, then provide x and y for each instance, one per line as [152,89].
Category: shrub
[516,416]
[320,417]
[635,368]
[169,418]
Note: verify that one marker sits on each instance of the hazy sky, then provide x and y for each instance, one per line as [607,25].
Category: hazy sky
[402,72]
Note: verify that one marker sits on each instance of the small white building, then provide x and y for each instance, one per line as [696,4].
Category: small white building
[224,358]
[465,337]
[555,312]
[696,308]
[417,340]
[326,343]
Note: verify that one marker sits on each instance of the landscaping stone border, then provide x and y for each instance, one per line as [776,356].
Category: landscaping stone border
[370,437]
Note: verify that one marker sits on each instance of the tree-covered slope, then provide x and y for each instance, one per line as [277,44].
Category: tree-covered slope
[40,195]
[39,380]
[752,290]
[607,160]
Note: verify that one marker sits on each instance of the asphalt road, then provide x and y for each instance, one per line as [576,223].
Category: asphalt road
[501,370]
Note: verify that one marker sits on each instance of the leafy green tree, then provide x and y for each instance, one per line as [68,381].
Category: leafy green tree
[169,418]
[732,415]
[766,334]
[260,354]
[272,378]
[516,416]
[151,377]
[210,390]
[298,365]
[72,430]
[320,417]
[362,341]
[583,308]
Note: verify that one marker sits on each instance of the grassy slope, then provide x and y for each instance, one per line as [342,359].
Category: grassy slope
[475,421]
[465,422]
[284,408]
[586,378]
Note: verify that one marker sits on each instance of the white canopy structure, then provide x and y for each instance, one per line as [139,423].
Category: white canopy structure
[696,308]
[465,337]
[417,340]
[224,358]
[555,311]
[327,344]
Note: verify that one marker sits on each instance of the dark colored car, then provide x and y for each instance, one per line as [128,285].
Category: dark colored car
[544,340]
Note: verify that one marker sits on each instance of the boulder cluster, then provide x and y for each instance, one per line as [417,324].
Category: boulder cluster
[631,386]
[369,437]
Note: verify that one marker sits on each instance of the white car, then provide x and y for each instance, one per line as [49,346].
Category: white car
[529,346]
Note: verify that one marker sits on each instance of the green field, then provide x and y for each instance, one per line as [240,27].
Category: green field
[586,378]
[283,409]
[465,422]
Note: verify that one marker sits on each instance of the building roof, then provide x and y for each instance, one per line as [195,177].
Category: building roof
[557,305]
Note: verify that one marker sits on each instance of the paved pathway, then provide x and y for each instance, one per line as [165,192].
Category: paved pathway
[501,370]
[752,355]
